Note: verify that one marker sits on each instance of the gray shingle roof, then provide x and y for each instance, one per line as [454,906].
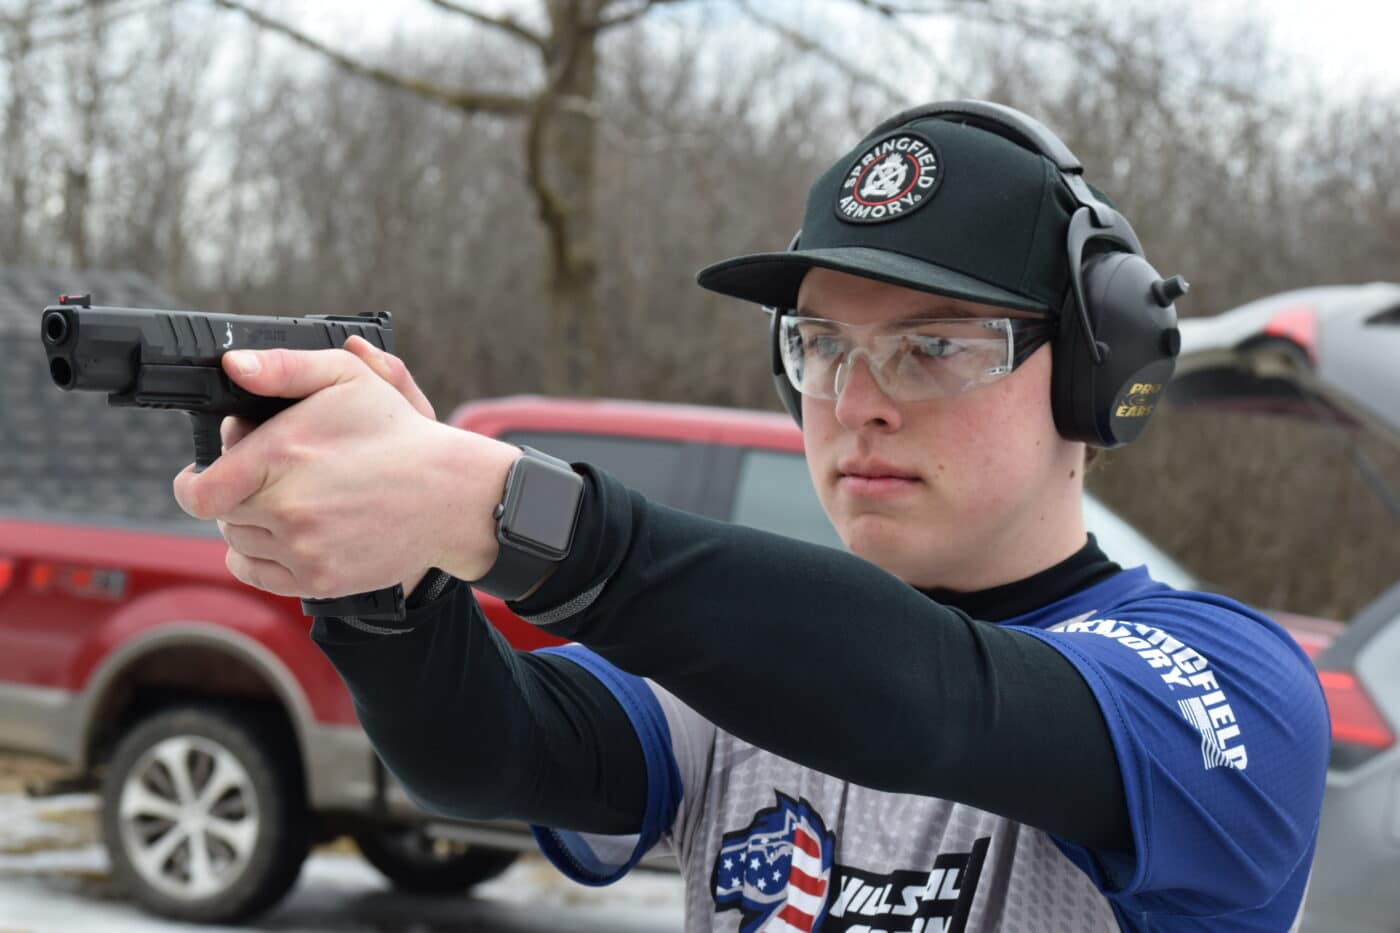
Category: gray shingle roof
[67,454]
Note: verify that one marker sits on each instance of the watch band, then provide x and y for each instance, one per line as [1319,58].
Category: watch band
[513,574]
[519,567]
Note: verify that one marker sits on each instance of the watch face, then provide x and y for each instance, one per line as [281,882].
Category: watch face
[544,499]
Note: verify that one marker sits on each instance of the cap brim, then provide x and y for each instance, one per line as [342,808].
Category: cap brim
[773,278]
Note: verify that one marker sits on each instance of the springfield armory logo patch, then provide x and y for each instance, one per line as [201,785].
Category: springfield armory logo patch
[779,873]
[894,177]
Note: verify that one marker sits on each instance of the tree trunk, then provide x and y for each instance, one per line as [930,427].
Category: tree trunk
[86,98]
[564,138]
[13,246]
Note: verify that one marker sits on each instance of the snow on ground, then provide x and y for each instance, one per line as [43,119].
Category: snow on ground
[54,879]
[49,823]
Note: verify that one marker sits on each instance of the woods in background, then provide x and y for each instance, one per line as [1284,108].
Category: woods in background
[244,171]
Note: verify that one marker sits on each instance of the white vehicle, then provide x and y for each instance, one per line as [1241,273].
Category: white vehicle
[1331,355]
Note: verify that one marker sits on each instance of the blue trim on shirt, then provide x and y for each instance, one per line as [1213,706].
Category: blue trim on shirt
[569,851]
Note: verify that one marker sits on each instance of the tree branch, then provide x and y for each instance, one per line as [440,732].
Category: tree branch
[805,43]
[465,101]
[642,8]
[115,12]
[36,12]
[896,10]
[1097,51]
[506,24]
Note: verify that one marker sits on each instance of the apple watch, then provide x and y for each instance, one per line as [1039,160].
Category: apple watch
[535,523]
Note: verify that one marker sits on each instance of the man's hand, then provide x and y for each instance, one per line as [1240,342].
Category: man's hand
[355,488]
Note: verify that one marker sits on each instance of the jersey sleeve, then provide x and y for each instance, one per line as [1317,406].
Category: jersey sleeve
[597,859]
[1222,736]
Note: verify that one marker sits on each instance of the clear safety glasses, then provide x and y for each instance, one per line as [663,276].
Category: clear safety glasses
[910,360]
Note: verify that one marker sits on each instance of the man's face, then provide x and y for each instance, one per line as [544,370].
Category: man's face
[957,492]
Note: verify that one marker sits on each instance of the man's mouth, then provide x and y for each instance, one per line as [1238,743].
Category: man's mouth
[874,469]
[874,479]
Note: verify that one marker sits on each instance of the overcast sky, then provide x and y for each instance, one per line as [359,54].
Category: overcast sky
[1350,41]
[1348,49]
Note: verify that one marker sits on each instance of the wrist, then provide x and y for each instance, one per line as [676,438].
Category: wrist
[470,478]
[535,523]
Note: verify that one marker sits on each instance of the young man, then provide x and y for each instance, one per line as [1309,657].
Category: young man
[974,721]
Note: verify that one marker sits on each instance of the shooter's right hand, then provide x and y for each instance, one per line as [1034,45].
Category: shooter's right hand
[388,367]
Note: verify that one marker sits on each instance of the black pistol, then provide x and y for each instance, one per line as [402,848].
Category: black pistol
[151,358]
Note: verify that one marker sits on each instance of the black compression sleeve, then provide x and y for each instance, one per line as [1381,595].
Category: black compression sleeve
[476,730]
[879,684]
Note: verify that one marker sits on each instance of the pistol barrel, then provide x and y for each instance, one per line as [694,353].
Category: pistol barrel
[100,355]
[104,349]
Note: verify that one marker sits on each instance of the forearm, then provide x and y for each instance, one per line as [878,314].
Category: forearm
[827,660]
[476,730]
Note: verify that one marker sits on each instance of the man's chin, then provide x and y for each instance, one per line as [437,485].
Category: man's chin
[880,539]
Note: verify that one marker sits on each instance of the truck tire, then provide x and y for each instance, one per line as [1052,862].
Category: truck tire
[418,863]
[203,813]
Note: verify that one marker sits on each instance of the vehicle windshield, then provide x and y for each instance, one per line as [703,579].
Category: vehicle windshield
[775,494]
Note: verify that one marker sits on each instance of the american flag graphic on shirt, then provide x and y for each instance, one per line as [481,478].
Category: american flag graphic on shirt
[777,871]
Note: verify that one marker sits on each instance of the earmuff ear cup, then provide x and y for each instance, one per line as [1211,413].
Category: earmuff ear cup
[1109,404]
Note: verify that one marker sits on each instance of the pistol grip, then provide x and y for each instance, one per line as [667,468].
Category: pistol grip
[207,441]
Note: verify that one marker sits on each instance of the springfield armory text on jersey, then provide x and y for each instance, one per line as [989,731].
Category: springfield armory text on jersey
[1180,666]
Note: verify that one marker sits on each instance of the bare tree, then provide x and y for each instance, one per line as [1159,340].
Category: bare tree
[145,226]
[16,38]
[560,142]
[100,141]
[85,101]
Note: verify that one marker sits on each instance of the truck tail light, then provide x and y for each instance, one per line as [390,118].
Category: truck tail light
[82,582]
[7,573]
[41,576]
[1359,731]
[1298,325]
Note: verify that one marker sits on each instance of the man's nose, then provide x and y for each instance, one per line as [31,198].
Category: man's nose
[860,399]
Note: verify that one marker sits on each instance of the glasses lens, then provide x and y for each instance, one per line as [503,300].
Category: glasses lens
[911,361]
[813,352]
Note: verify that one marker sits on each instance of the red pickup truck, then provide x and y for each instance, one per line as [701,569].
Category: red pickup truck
[222,741]
[224,744]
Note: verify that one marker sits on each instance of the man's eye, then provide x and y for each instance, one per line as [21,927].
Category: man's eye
[936,347]
[826,346]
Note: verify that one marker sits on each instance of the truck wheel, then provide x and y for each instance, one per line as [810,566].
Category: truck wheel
[416,862]
[203,813]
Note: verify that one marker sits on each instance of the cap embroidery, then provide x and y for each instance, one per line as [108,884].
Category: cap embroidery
[893,177]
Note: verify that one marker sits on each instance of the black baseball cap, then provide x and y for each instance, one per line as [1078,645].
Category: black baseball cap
[933,205]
